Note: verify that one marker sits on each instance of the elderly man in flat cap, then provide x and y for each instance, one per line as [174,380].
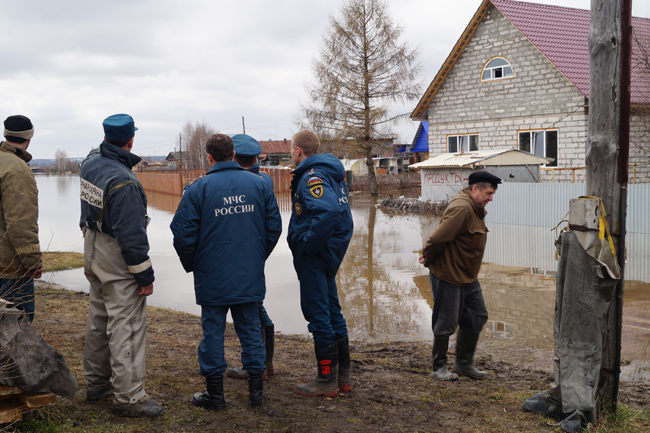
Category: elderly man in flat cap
[453,255]
[246,151]
[117,265]
[20,252]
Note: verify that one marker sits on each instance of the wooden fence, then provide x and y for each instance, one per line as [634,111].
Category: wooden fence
[173,181]
[385,182]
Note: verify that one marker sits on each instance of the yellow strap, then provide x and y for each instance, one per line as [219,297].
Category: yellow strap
[603,225]
[101,215]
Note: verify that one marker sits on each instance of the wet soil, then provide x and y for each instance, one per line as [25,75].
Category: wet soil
[392,390]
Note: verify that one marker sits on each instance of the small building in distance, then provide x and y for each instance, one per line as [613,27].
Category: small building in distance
[275,152]
[443,176]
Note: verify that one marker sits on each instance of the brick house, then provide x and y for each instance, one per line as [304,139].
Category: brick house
[518,77]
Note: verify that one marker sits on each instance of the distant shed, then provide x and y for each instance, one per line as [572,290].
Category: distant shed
[443,176]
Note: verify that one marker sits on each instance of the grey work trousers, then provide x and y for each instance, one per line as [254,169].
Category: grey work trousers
[457,306]
[116,332]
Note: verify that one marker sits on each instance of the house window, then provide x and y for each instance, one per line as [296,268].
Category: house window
[496,69]
[541,143]
[462,143]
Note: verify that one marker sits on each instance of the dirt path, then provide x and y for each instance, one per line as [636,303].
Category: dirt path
[392,391]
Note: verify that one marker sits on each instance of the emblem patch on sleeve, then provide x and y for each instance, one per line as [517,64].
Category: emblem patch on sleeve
[316,191]
[297,208]
[314,181]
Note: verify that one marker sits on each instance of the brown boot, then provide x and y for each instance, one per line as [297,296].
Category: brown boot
[326,381]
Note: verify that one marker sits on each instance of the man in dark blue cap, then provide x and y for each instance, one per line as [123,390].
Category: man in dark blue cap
[117,265]
[246,151]
[225,227]
[453,255]
[20,252]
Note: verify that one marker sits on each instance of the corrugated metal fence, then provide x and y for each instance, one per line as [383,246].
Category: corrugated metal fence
[522,216]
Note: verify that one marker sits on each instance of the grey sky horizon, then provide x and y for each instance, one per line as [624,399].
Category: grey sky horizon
[67,65]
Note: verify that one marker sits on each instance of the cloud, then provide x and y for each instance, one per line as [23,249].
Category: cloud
[68,64]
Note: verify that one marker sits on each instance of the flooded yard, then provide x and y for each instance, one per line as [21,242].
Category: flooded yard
[384,292]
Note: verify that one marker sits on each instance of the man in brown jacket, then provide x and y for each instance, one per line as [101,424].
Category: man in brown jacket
[453,255]
[20,252]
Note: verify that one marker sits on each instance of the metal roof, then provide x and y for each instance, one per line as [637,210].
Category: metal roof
[482,158]
[561,34]
[276,146]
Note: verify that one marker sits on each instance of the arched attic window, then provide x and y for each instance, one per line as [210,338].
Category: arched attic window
[497,68]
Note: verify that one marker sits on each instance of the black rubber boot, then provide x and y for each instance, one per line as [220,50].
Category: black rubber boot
[465,347]
[93,394]
[269,345]
[439,352]
[326,381]
[213,397]
[345,380]
[574,423]
[256,389]
[547,404]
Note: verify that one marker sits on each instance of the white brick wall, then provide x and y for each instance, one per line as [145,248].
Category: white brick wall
[539,96]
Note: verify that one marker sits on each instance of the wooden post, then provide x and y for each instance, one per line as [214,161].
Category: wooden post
[607,156]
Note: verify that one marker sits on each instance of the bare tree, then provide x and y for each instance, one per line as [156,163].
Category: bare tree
[60,156]
[362,68]
[193,139]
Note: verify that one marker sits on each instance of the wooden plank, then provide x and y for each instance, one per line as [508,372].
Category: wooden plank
[35,400]
[10,411]
[9,390]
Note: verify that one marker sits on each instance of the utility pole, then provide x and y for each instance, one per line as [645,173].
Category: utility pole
[607,154]
[243,125]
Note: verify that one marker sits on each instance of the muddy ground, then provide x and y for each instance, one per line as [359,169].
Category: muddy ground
[392,390]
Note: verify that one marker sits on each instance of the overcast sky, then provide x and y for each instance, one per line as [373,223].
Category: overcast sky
[68,64]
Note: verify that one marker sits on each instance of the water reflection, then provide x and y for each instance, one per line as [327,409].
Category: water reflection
[385,293]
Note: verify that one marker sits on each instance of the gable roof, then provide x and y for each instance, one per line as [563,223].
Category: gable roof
[561,34]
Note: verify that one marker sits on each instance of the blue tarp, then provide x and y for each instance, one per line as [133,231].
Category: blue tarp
[421,140]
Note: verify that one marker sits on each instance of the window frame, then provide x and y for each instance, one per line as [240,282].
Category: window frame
[493,68]
[470,134]
[545,142]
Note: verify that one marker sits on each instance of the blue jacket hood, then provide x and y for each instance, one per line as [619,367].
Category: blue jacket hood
[325,161]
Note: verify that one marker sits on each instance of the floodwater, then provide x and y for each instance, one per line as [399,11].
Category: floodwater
[384,292]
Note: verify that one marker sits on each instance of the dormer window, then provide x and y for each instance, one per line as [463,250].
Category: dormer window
[496,69]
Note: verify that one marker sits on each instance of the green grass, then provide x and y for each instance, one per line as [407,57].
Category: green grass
[61,260]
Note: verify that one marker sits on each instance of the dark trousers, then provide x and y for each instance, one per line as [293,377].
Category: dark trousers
[265,320]
[211,351]
[457,306]
[319,301]
[20,291]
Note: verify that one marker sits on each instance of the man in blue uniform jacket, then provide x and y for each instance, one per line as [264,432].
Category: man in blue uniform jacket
[225,227]
[319,234]
[246,151]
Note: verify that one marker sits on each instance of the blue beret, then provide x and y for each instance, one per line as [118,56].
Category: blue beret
[483,176]
[119,127]
[246,146]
